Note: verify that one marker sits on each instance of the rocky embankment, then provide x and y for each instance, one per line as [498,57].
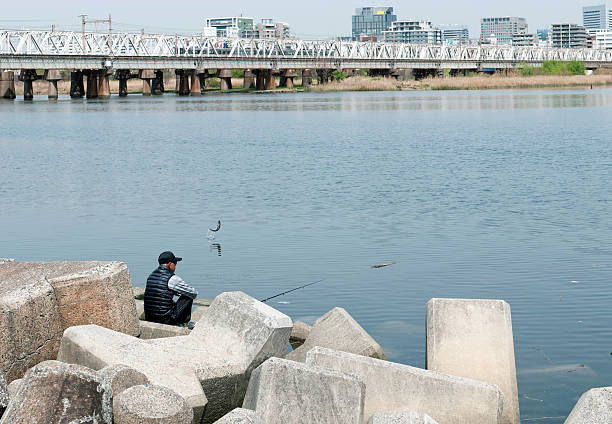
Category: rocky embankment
[73,350]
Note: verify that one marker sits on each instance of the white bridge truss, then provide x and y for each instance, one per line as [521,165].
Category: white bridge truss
[73,50]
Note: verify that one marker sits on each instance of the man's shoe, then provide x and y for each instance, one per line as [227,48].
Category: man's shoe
[190,325]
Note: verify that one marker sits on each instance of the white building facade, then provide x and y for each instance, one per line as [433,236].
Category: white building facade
[414,32]
[500,30]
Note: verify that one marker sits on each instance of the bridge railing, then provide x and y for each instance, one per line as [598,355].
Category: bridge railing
[67,43]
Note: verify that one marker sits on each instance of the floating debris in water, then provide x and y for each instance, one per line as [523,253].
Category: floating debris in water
[574,281]
[284,303]
[383,265]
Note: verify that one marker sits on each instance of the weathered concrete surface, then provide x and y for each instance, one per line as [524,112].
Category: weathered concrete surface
[14,387]
[338,330]
[138,292]
[198,313]
[240,416]
[299,334]
[54,392]
[404,417]
[394,387]
[235,336]
[151,405]
[283,391]
[593,407]
[4,393]
[59,295]
[121,378]
[473,339]
[140,313]
[202,302]
[154,330]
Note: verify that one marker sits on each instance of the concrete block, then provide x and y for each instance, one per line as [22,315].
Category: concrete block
[121,378]
[54,392]
[4,393]
[240,416]
[593,407]
[283,391]
[202,302]
[151,405]
[154,330]
[339,331]
[404,417]
[59,295]
[138,292]
[473,339]
[198,313]
[14,387]
[140,313]
[392,387]
[299,334]
[210,367]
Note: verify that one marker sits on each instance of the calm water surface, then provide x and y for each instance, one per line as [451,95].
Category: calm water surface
[496,194]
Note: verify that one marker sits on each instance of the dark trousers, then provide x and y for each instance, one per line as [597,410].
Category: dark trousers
[181,313]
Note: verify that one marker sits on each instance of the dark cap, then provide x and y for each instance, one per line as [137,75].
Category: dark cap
[167,257]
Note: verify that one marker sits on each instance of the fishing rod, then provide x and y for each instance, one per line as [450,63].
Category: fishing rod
[292,290]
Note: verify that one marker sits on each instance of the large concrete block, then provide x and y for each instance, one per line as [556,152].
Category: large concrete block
[121,378]
[59,295]
[54,392]
[154,330]
[593,407]
[473,339]
[286,392]
[405,417]
[339,331]
[210,367]
[392,387]
[240,416]
[4,393]
[299,334]
[151,405]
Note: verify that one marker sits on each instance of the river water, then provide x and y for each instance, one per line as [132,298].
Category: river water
[482,194]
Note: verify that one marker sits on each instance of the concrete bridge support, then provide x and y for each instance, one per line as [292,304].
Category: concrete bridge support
[146,75]
[52,78]
[270,80]
[202,76]
[249,79]
[7,85]
[77,88]
[123,75]
[196,87]
[306,78]
[157,87]
[183,88]
[286,78]
[104,83]
[260,81]
[225,76]
[92,84]
[28,76]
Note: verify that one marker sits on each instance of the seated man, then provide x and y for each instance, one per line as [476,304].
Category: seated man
[162,286]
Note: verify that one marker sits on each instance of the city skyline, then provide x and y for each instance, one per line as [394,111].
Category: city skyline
[319,20]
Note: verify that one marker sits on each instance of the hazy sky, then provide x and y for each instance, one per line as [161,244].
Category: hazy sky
[308,19]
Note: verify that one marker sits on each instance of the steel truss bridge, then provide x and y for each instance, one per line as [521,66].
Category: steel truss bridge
[73,50]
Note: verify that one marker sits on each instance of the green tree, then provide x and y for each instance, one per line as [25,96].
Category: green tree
[525,70]
[338,75]
[576,68]
[553,67]
[237,73]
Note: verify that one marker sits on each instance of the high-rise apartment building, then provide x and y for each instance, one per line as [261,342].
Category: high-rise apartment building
[372,21]
[455,34]
[501,29]
[569,36]
[416,32]
[597,17]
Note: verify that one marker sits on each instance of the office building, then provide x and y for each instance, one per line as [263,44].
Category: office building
[597,17]
[455,34]
[414,32]
[568,36]
[500,30]
[372,21]
[603,39]
[525,40]
[267,29]
[543,34]
[230,27]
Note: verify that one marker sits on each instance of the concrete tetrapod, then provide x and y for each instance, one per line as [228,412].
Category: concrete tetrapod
[405,417]
[338,330]
[59,295]
[121,378]
[593,407]
[210,367]
[240,416]
[395,387]
[289,392]
[54,392]
[151,405]
[299,334]
[472,338]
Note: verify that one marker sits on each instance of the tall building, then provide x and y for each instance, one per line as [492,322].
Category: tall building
[568,36]
[501,29]
[415,32]
[603,40]
[455,34]
[543,34]
[525,40]
[372,21]
[236,26]
[597,17]
[269,30]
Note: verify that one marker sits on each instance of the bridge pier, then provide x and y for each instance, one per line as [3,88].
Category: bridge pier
[92,84]
[52,78]
[260,79]
[77,89]
[146,75]
[196,86]
[123,75]
[249,79]
[7,85]
[286,78]
[104,83]
[270,80]
[182,82]
[28,76]
[306,78]
[158,83]
[225,77]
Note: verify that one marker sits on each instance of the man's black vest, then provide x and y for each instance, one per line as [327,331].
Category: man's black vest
[158,303]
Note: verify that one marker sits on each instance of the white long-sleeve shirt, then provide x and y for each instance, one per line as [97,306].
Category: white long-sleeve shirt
[177,285]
